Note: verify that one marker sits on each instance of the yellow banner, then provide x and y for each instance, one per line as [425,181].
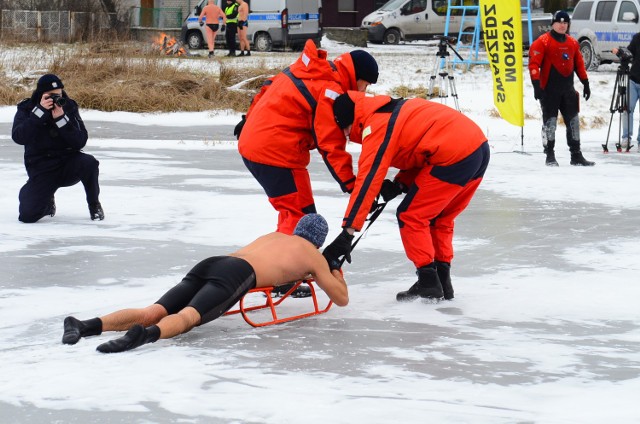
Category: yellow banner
[502,26]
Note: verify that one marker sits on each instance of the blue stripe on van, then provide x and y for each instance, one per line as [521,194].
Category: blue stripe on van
[273,17]
[619,37]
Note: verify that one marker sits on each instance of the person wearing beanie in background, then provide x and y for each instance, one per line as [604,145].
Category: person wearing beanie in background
[49,127]
[442,155]
[553,59]
[291,115]
[214,285]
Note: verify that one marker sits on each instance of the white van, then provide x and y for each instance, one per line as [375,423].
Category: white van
[272,23]
[416,20]
[600,25]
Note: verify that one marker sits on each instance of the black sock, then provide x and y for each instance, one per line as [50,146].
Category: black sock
[74,329]
[135,337]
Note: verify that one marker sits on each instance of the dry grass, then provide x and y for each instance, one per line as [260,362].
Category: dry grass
[98,76]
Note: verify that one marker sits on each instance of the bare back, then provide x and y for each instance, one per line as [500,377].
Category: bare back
[279,258]
[243,11]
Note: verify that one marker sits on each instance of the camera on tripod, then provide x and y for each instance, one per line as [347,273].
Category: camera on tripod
[624,55]
[58,99]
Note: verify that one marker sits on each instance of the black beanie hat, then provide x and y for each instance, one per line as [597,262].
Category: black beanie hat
[49,82]
[365,65]
[560,16]
[343,110]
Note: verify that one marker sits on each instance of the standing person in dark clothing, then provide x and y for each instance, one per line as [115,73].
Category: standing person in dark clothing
[553,59]
[231,12]
[633,92]
[49,127]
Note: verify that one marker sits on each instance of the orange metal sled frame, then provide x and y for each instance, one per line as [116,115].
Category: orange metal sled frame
[271,304]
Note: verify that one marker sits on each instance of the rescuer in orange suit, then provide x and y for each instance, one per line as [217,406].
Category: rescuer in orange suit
[442,156]
[293,114]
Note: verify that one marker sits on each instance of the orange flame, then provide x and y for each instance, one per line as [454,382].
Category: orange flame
[167,45]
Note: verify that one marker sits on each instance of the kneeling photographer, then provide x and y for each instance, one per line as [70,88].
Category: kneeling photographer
[630,55]
[49,127]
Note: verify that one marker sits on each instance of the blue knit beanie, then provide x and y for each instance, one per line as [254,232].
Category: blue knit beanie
[312,227]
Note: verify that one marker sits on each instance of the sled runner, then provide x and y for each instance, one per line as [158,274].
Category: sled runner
[273,303]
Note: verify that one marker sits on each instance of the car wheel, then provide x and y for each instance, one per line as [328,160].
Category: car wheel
[591,61]
[194,40]
[262,42]
[391,36]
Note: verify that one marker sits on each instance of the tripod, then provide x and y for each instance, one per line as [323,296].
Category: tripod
[620,104]
[447,82]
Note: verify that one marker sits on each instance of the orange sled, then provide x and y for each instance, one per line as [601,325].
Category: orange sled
[270,303]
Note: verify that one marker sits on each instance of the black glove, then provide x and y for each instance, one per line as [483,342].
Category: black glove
[390,190]
[223,27]
[538,92]
[586,92]
[239,126]
[201,23]
[341,246]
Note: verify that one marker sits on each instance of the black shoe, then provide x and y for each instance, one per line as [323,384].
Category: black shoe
[248,53]
[135,337]
[428,286]
[96,212]
[210,54]
[231,54]
[74,329]
[551,159]
[578,160]
[444,275]
[52,207]
[303,290]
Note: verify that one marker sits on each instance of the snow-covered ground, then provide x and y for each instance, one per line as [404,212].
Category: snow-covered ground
[544,327]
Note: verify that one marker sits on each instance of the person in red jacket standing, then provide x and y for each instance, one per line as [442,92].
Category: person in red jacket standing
[442,156]
[553,59]
[293,114]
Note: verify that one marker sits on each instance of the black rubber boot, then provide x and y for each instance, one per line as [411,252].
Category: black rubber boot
[551,156]
[578,160]
[303,290]
[135,337]
[96,212]
[444,274]
[74,329]
[428,286]
[52,207]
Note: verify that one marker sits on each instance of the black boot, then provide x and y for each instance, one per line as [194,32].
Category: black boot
[551,156]
[52,207]
[579,160]
[74,329]
[135,337]
[428,286]
[96,212]
[303,290]
[444,274]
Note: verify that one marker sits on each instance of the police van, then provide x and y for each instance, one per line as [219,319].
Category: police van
[272,23]
[400,20]
[601,25]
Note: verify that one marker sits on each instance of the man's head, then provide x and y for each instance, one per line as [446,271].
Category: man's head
[560,21]
[48,83]
[312,227]
[344,111]
[366,68]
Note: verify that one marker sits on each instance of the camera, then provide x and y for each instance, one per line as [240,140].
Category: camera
[624,55]
[58,99]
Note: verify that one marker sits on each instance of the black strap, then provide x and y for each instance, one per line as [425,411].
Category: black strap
[372,218]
